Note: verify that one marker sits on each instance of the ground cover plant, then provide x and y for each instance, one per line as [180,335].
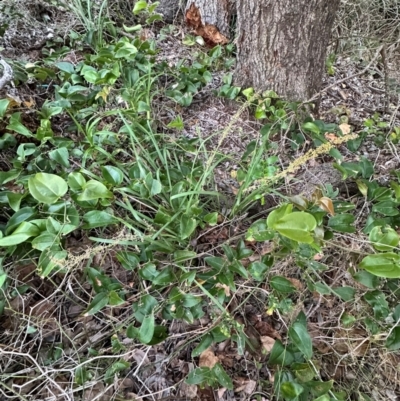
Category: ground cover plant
[167,235]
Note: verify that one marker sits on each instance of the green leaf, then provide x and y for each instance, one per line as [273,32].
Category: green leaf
[205,342]
[382,264]
[258,270]
[259,231]
[291,390]
[50,260]
[346,293]
[98,218]
[146,330]
[65,67]
[129,260]
[3,107]
[98,303]
[3,278]
[278,214]
[76,181]
[187,226]
[14,200]
[45,240]
[60,156]
[280,355]
[384,238]
[47,188]
[177,123]
[297,226]
[393,340]
[115,299]
[24,231]
[319,388]
[367,279]
[112,175]
[342,223]
[298,334]
[17,218]
[387,208]
[16,125]
[223,379]
[139,6]
[93,190]
[215,262]
[199,376]
[282,285]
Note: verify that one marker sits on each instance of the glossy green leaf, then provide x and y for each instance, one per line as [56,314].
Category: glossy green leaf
[45,240]
[98,218]
[346,293]
[76,181]
[387,208]
[113,175]
[278,214]
[24,231]
[47,188]
[297,226]
[298,334]
[199,376]
[24,214]
[61,156]
[93,190]
[384,238]
[382,264]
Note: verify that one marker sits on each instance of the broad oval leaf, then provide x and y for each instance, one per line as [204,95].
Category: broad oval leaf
[384,238]
[113,175]
[296,226]
[93,190]
[146,330]
[47,188]
[98,218]
[382,264]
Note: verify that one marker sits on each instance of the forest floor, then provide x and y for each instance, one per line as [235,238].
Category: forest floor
[154,275]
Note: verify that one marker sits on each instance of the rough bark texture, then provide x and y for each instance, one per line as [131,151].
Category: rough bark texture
[214,12]
[281,45]
[170,9]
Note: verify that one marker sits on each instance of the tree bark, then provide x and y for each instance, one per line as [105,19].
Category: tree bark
[281,45]
[210,19]
[170,9]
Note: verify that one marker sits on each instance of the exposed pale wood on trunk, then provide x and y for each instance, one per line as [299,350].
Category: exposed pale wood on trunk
[214,12]
[282,45]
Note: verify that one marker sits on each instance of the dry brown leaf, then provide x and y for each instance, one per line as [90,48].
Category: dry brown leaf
[221,391]
[188,390]
[297,283]
[267,343]
[208,359]
[326,204]
[226,288]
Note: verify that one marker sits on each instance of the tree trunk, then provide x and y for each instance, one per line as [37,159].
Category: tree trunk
[281,45]
[210,19]
[170,9]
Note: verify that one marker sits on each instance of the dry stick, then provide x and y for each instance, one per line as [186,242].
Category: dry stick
[376,55]
[7,73]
